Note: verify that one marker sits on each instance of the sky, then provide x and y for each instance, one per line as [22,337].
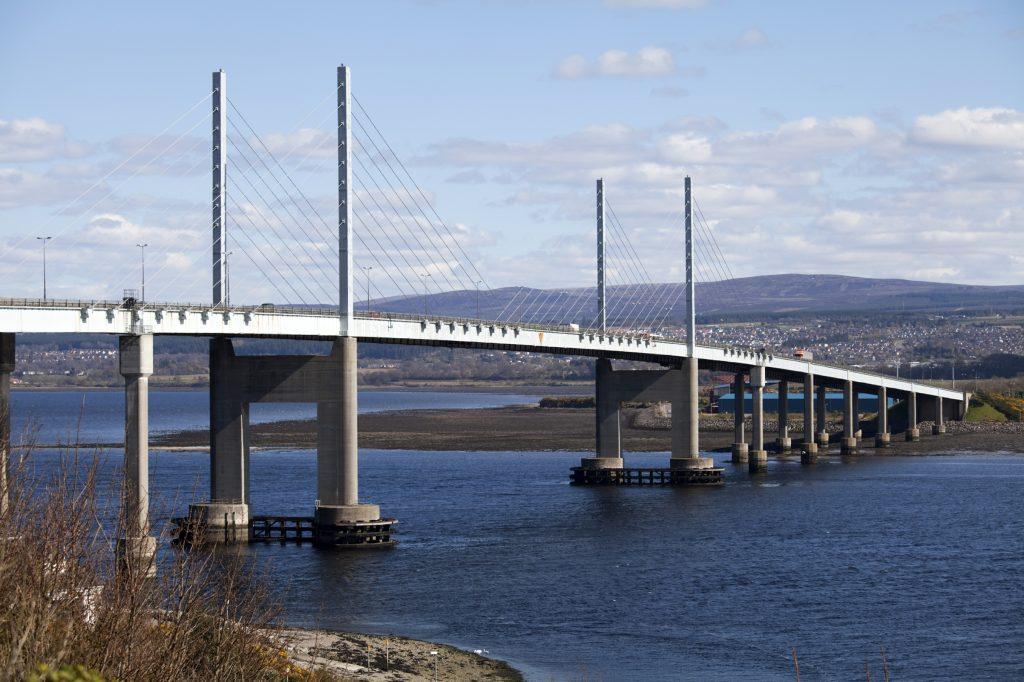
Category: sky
[873,139]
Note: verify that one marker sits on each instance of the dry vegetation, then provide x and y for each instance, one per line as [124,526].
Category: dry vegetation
[70,611]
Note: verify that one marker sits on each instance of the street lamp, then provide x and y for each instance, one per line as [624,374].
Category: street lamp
[142,257]
[366,269]
[227,280]
[44,240]
[477,285]
[433,655]
[424,276]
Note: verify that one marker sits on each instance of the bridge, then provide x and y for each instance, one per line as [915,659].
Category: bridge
[341,516]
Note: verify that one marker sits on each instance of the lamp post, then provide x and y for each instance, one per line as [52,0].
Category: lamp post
[44,240]
[366,269]
[477,285]
[424,276]
[227,280]
[142,257]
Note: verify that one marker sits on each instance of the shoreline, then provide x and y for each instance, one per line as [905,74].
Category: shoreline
[389,658]
[528,428]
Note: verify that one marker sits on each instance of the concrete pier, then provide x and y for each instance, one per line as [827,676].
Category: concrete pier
[136,548]
[226,516]
[6,367]
[848,446]
[939,427]
[686,421]
[608,453]
[739,444]
[809,455]
[338,509]
[913,433]
[822,418]
[758,455]
[784,442]
[882,432]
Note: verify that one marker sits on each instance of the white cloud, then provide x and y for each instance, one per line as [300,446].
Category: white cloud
[645,62]
[984,127]
[752,37]
[35,139]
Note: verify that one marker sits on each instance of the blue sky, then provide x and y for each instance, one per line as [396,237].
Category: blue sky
[872,138]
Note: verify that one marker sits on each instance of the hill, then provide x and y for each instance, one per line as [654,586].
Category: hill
[768,295]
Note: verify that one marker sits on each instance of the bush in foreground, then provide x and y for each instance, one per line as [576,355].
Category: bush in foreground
[68,611]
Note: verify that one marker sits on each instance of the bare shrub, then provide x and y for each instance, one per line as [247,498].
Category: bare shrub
[65,601]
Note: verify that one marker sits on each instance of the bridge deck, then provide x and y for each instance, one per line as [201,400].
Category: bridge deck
[106,317]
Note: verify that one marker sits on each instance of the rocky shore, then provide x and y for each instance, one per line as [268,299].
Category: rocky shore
[381,658]
[531,428]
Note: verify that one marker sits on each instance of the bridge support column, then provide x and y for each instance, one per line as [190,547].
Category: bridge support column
[136,548]
[339,512]
[810,448]
[822,417]
[686,421]
[758,455]
[739,444]
[784,442]
[940,425]
[882,432]
[913,433]
[6,367]
[609,440]
[225,518]
[849,442]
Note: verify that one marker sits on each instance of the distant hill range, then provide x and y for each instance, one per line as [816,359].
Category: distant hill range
[768,295]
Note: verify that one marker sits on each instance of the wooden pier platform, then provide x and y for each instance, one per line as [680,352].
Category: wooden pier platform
[647,476]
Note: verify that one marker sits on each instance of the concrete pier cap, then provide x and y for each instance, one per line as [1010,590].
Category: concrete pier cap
[137,554]
[691,463]
[337,515]
[758,461]
[601,462]
[740,453]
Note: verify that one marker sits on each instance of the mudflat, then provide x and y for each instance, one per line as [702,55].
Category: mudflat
[532,428]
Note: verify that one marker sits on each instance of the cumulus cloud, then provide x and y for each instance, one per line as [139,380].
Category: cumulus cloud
[984,127]
[847,189]
[36,139]
[645,62]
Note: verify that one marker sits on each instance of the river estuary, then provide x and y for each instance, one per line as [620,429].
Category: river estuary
[921,555]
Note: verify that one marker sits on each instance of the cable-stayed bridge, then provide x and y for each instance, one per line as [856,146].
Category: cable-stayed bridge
[313,268]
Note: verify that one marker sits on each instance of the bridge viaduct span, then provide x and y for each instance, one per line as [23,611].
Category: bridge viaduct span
[341,516]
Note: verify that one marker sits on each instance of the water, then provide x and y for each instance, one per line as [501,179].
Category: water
[56,413]
[924,556]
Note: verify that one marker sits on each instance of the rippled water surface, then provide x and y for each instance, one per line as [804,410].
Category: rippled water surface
[924,556]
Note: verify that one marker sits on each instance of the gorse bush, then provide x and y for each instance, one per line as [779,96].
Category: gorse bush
[69,611]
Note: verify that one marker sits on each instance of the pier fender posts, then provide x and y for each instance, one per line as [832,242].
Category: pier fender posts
[136,548]
[758,456]
[608,444]
[225,518]
[686,421]
[882,432]
[822,418]
[939,427]
[740,451]
[809,453]
[339,518]
[6,367]
[913,433]
[848,446]
[784,442]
